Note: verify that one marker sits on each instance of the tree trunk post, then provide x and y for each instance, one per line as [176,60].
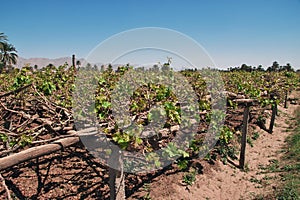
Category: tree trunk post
[116,176]
[73,62]
[274,112]
[244,136]
[247,103]
[285,99]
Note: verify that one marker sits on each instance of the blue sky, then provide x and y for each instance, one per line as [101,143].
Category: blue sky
[232,32]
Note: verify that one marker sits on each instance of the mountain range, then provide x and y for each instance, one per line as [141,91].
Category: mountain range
[42,62]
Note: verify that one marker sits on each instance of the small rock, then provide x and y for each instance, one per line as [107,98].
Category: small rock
[175,128]
[164,133]
[240,96]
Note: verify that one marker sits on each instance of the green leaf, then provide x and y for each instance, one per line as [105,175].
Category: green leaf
[3,137]
[106,104]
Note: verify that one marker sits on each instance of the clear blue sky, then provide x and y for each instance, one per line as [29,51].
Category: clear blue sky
[233,32]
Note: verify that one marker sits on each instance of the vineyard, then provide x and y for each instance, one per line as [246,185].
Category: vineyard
[42,157]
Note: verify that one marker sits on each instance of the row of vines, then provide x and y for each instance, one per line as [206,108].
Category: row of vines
[51,88]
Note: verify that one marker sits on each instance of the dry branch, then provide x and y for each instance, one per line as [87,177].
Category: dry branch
[245,101]
[15,91]
[231,95]
[5,187]
[36,152]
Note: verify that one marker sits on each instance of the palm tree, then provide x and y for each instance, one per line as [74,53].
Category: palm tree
[3,39]
[8,54]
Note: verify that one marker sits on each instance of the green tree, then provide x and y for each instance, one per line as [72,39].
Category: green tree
[35,67]
[8,54]
[78,63]
[260,68]
[95,67]
[288,67]
[102,68]
[246,68]
[3,39]
[88,66]
[274,68]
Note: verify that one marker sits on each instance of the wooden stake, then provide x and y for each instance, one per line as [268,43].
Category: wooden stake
[285,99]
[274,112]
[73,62]
[244,136]
[116,176]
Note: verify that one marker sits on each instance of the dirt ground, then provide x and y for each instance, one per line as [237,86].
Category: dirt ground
[74,174]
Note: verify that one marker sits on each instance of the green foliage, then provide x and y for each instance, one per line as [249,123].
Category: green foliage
[261,119]
[124,139]
[25,140]
[182,163]
[21,79]
[3,137]
[121,139]
[226,135]
[153,158]
[189,178]
[232,104]
[171,151]
[224,149]
[47,88]
[173,112]
[255,136]
[249,141]
[57,84]
[196,144]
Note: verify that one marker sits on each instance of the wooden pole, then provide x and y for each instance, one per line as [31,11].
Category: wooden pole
[274,112]
[116,176]
[285,99]
[74,62]
[244,136]
[36,152]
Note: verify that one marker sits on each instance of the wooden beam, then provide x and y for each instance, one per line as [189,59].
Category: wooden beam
[36,152]
[15,91]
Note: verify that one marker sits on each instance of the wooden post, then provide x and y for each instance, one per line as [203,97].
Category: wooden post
[247,103]
[285,99]
[116,176]
[74,62]
[274,112]
[244,136]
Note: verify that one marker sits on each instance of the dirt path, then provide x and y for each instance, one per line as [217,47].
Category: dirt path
[226,181]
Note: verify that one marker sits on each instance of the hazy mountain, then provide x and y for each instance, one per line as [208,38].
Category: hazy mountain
[42,62]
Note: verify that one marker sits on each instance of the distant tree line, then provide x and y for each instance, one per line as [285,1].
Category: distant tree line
[274,68]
